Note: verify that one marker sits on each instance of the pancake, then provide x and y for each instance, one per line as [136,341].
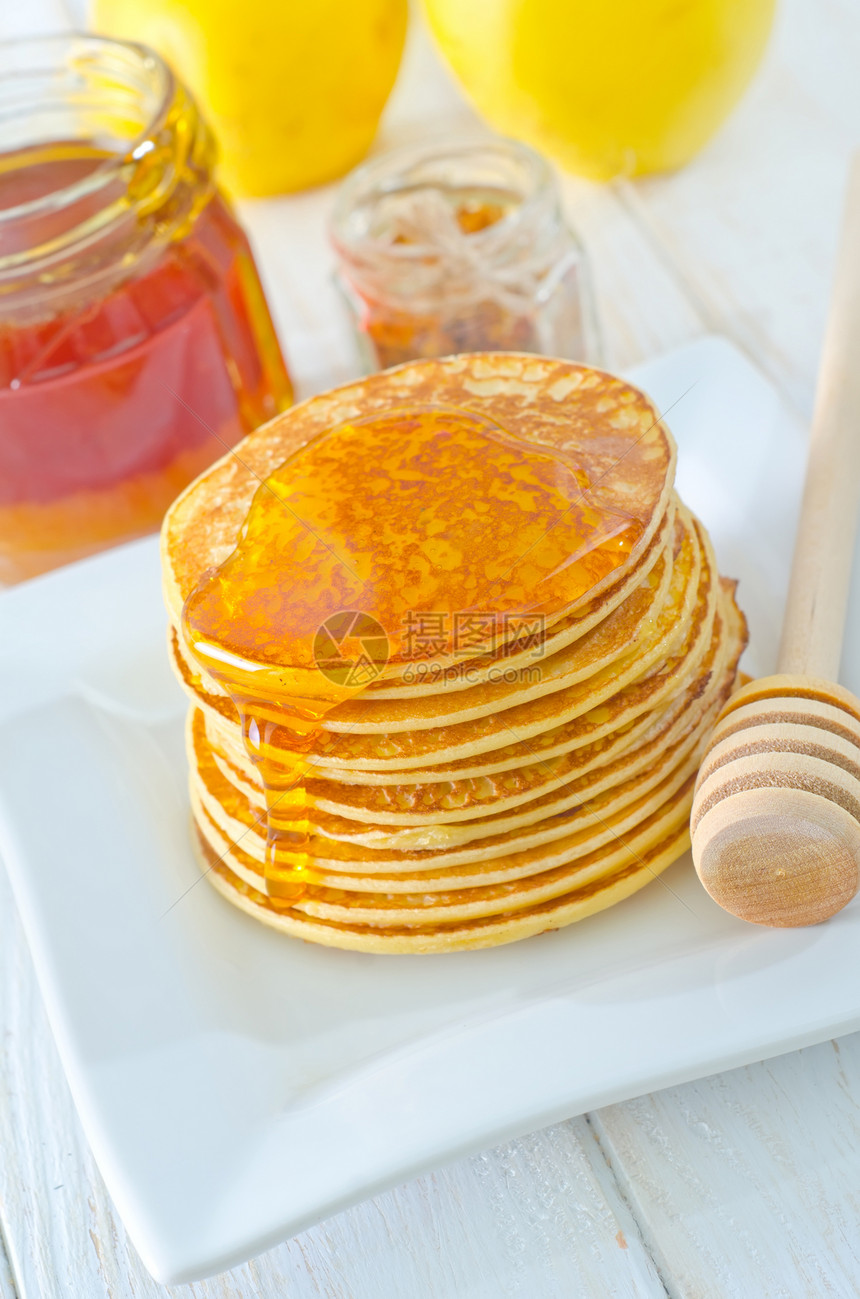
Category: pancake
[244,823]
[571,657]
[513,866]
[686,604]
[475,900]
[624,627]
[468,798]
[625,777]
[660,556]
[609,831]
[563,633]
[592,824]
[458,800]
[509,927]
[615,434]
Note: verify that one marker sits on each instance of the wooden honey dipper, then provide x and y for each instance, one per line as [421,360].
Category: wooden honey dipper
[776,813]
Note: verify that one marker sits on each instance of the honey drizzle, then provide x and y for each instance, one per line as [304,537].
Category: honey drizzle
[416,511]
[288,802]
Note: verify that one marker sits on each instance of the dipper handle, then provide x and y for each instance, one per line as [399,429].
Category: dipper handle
[776,810]
[821,569]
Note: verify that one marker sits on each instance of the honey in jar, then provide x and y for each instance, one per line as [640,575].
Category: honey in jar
[135,341]
[463,248]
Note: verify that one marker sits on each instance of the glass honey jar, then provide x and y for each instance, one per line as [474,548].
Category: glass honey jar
[136,346]
[462,248]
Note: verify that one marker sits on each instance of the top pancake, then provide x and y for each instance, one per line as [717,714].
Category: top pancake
[610,429]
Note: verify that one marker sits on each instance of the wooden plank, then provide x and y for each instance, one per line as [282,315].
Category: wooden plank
[538,1217]
[748,1183]
[7,1283]
[749,229]
[55,1217]
[629,280]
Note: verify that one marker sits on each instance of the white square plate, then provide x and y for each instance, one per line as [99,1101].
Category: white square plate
[237,1086]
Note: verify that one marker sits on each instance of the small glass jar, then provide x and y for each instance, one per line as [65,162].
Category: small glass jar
[461,249]
[135,341]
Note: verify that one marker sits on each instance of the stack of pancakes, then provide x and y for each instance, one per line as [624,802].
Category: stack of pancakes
[481,806]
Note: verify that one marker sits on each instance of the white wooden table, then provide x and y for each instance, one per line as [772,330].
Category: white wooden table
[743,1185]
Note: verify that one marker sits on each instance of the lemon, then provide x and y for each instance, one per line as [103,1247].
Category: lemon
[293,89]
[606,87]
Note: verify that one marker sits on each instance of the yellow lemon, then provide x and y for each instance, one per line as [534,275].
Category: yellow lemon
[607,87]
[293,89]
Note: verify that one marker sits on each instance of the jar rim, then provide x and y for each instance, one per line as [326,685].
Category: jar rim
[24,58]
[376,179]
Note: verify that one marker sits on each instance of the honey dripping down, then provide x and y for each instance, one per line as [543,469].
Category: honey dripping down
[417,512]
